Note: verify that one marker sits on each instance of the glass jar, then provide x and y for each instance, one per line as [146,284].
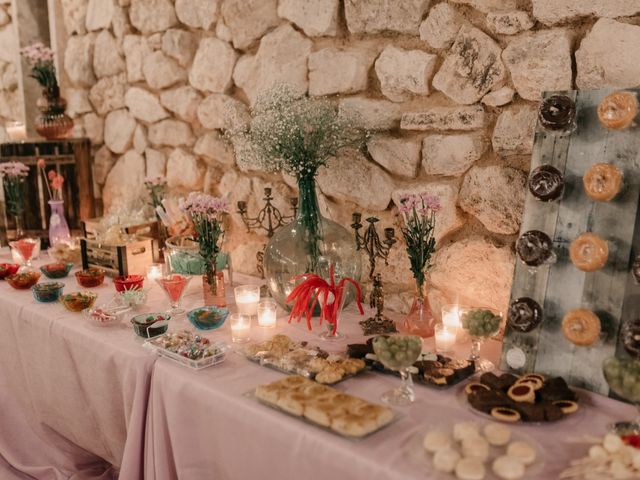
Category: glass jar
[309,244]
[183,256]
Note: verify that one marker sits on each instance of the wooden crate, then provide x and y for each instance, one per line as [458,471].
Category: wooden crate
[610,292]
[130,259]
[150,230]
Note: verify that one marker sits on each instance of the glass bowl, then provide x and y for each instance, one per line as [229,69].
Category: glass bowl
[66,252]
[131,298]
[183,256]
[23,281]
[78,301]
[148,325]
[208,318]
[128,282]
[56,270]
[90,278]
[106,316]
[7,269]
[47,291]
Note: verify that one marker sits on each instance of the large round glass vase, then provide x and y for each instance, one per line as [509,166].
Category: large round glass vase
[309,244]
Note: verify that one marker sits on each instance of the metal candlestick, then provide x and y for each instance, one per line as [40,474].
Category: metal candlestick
[375,248]
[269,219]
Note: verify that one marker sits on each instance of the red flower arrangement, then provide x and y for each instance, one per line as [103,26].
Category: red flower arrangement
[55,180]
[313,289]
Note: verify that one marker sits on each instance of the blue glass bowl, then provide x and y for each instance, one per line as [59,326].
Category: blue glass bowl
[47,292]
[208,318]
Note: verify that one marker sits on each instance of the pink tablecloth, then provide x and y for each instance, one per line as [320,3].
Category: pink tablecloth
[73,396]
[201,424]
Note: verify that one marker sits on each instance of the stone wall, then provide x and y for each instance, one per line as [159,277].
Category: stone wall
[449,87]
[10,106]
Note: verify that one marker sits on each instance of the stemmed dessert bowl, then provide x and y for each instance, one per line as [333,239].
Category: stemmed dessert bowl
[25,247]
[623,377]
[481,324]
[174,285]
[398,353]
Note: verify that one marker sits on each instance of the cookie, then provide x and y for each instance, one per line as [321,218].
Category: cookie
[497,434]
[445,460]
[522,451]
[589,252]
[505,414]
[475,447]
[462,430]
[522,392]
[508,468]
[470,469]
[436,440]
[567,406]
[581,327]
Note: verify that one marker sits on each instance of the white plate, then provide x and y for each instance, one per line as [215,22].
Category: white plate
[422,459]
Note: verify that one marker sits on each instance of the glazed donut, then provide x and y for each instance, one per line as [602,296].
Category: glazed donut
[581,327]
[535,248]
[525,314]
[557,112]
[602,182]
[589,252]
[617,110]
[546,183]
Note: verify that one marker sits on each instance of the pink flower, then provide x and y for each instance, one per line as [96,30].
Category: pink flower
[41,163]
[52,174]
[57,182]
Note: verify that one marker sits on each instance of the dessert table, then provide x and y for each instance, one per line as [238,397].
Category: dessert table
[84,402]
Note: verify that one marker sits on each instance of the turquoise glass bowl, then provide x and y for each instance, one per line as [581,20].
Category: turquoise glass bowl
[208,318]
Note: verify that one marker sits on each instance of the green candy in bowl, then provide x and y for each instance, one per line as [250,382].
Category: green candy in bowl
[208,318]
[399,352]
[481,323]
[623,377]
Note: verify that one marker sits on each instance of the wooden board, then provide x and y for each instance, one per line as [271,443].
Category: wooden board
[610,292]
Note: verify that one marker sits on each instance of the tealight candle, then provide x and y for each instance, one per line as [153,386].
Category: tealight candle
[445,338]
[451,316]
[17,131]
[240,327]
[247,298]
[267,313]
[154,271]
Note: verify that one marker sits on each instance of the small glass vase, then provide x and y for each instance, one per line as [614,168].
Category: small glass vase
[58,227]
[18,220]
[214,296]
[420,320]
[329,334]
[53,122]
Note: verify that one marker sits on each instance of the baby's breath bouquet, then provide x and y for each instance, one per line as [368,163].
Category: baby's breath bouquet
[297,135]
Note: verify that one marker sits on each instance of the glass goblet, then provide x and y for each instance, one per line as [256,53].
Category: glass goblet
[398,353]
[623,377]
[25,247]
[174,286]
[481,324]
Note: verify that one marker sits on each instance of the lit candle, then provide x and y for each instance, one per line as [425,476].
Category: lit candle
[267,313]
[247,298]
[445,338]
[17,131]
[240,328]
[154,271]
[451,316]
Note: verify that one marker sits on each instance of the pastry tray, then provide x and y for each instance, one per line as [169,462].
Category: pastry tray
[396,416]
[187,362]
[303,373]
[376,366]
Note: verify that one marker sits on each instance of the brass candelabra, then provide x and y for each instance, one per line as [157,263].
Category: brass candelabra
[375,248]
[269,219]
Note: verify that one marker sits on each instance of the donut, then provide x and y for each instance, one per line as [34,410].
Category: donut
[589,252]
[535,248]
[524,315]
[581,327]
[557,112]
[602,182]
[630,337]
[617,110]
[546,183]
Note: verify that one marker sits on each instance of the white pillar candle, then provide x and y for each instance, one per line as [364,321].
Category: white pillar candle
[267,313]
[445,338]
[154,271]
[451,316]
[17,131]
[240,328]
[247,298]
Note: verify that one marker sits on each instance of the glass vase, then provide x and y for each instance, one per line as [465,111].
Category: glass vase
[52,122]
[214,296]
[18,221]
[309,244]
[58,228]
[420,320]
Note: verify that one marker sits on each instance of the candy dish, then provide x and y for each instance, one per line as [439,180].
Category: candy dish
[106,316]
[56,270]
[148,325]
[128,282]
[47,291]
[7,269]
[65,252]
[208,318]
[90,278]
[440,449]
[530,398]
[23,281]
[131,298]
[189,349]
[78,301]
